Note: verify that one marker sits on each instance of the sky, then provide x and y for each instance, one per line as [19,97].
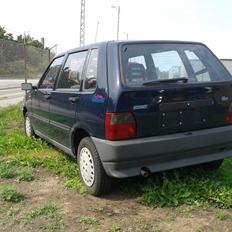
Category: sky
[207,21]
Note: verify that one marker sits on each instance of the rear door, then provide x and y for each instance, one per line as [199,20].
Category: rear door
[41,97]
[65,98]
[162,105]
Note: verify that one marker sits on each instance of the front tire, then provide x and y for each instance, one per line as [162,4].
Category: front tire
[28,127]
[91,171]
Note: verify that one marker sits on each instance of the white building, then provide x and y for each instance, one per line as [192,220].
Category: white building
[228,64]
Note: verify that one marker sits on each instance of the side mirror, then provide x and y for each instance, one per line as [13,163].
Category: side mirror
[26,86]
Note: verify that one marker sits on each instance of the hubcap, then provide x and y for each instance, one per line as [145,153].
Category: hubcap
[87,166]
[28,126]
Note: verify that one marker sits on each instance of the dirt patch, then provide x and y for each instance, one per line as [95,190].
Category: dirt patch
[115,212]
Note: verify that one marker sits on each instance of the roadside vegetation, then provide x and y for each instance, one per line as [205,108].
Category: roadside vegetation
[19,155]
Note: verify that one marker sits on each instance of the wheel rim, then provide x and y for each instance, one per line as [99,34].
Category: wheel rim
[87,166]
[28,126]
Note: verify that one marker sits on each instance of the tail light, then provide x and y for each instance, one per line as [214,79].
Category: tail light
[229,115]
[119,126]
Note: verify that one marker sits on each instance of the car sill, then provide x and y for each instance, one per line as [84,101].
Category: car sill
[55,143]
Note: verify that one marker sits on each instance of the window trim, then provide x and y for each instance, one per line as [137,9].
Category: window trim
[46,71]
[84,73]
[62,68]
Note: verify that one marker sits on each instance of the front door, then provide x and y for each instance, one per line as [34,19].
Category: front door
[64,99]
[41,97]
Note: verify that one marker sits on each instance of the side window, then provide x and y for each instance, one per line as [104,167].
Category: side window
[51,74]
[91,71]
[199,68]
[71,74]
[169,65]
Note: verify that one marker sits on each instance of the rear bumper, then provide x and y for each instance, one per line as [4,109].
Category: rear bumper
[126,158]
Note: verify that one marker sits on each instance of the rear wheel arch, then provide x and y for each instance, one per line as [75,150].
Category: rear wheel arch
[77,135]
[24,111]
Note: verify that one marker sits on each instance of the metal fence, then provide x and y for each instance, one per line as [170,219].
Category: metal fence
[19,61]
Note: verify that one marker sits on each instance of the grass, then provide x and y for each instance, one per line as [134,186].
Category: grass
[169,189]
[139,222]
[6,171]
[24,174]
[17,150]
[115,228]
[191,188]
[49,212]
[9,193]
[88,220]
[222,216]
[13,170]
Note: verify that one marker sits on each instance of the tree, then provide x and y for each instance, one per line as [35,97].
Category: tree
[2,33]
[20,38]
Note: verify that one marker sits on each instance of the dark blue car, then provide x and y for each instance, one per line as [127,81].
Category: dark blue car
[132,108]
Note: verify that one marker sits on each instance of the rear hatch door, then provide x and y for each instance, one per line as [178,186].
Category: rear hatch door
[173,87]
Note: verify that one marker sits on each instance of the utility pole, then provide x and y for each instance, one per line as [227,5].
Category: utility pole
[25,56]
[82,23]
[96,32]
[49,52]
[118,22]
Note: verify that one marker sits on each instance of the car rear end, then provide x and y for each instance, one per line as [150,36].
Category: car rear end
[169,106]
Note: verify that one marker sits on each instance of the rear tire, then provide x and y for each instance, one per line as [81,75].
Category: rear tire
[92,173]
[212,166]
[28,127]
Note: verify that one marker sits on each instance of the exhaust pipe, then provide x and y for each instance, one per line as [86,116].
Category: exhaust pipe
[145,172]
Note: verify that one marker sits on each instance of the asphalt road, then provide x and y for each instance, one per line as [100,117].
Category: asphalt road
[11,96]
[14,83]
[11,93]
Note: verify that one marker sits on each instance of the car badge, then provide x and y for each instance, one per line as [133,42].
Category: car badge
[224,98]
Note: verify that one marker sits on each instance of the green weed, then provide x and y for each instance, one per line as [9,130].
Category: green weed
[88,220]
[155,229]
[49,212]
[222,216]
[190,189]
[140,223]
[6,171]
[115,228]
[170,218]
[24,174]
[9,193]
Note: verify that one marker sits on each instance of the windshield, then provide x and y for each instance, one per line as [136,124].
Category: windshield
[154,63]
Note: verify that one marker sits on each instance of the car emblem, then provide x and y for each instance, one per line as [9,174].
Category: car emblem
[224,98]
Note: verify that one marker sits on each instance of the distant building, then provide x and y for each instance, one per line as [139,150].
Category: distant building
[228,64]
[177,72]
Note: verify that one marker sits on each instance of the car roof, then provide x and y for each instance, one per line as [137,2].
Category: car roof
[116,42]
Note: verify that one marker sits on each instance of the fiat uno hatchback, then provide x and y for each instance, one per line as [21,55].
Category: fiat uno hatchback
[132,108]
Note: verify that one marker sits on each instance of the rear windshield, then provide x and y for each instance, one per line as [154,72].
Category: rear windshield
[142,63]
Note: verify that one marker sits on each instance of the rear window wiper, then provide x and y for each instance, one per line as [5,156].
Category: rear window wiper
[183,79]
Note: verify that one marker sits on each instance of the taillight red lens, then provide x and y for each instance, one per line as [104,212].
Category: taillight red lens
[229,118]
[229,115]
[119,126]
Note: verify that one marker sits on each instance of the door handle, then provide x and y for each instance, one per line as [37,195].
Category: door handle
[47,96]
[73,99]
